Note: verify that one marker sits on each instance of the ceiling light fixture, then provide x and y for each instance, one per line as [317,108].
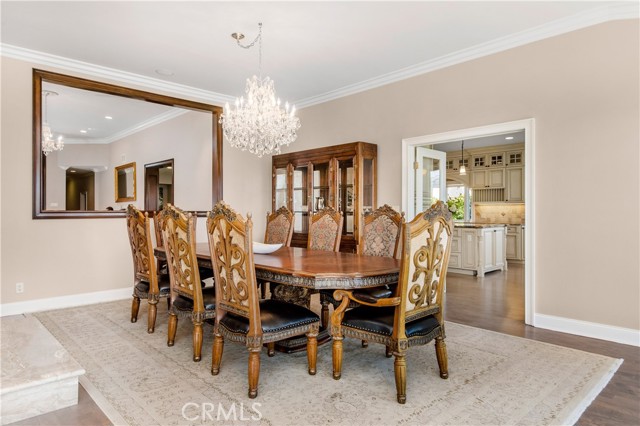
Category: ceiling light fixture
[48,143]
[258,124]
[108,117]
[463,169]
[509,138]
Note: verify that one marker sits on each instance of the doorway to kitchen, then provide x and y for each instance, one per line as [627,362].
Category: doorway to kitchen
[438,172]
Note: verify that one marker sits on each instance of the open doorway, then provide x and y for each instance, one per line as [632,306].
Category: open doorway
[80,189]
[492,189]
[158,185]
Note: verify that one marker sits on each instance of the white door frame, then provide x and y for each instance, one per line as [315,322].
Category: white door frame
[417,188]
[528,125]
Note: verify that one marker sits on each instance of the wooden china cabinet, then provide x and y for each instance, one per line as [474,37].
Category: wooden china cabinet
[341,176]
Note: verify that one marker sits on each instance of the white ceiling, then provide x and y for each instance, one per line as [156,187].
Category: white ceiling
[314,51]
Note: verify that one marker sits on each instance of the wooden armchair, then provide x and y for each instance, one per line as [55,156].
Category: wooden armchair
[147,283]
[240,315]
[414,315]
[380,237]
[279,230]
[188,298]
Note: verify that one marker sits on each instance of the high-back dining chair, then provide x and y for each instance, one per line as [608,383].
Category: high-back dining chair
[240,315]
[279,230]
[147,283]
[414,315]
[380,237]
[188,298]
[325,231]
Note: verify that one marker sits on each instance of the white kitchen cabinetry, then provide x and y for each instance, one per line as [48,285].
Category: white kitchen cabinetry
[515,243]
[515,185]
[478,248]
[491,178]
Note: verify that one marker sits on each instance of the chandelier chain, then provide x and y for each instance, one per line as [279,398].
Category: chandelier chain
[253,43]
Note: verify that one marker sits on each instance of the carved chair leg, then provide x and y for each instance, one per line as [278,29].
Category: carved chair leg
[254,371]
[271,349]
[441,354]
[197,341]
[400,367]
[216,353]
[173,326]
[312,350]
[365,343]
[135,305]
[337,356]
[388,351]
[151,316]
[324,314]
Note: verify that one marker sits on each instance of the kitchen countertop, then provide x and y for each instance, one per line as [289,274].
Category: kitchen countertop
[478,225]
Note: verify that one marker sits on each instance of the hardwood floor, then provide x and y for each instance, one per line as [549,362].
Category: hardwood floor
[495,302]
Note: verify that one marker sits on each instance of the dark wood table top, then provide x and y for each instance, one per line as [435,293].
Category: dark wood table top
[316,269]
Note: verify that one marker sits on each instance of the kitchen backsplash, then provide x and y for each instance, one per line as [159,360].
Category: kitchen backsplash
[499,213]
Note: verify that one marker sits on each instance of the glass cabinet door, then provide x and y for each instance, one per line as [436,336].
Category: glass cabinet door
[346,182]
[368,184]
[300,208]
[320,186]
[280,188]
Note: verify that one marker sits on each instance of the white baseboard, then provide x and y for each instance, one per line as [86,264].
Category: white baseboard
[627,336]
[36,305]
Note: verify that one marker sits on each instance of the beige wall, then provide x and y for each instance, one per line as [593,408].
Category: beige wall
[582,89]
[72,256]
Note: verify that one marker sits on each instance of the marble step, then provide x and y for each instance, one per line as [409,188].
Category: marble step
[38,375]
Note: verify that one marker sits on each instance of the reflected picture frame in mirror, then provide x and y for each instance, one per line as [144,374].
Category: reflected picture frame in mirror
[125,182]
[39,163]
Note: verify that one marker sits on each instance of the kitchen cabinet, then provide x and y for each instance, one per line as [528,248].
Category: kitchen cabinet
[514,158]
[492,159]
[514,185]
[515,243]
[341,176]
[478,248]
[493,178]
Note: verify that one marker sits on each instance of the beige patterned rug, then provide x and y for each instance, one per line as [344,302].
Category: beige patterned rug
[494,378]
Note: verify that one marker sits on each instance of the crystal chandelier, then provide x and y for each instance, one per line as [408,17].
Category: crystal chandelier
[48,143]
[258,123]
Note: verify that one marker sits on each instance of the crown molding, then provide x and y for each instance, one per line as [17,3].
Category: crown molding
[123,77]
[623,10]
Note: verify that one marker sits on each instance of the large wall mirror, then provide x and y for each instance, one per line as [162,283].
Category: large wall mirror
[107,129]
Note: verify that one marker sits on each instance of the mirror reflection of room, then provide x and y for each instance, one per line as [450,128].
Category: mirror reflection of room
[103,131]
[158,186]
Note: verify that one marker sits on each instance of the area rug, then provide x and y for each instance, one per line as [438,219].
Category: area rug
[494,378]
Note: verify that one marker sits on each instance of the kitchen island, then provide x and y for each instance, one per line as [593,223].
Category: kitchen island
[478,248]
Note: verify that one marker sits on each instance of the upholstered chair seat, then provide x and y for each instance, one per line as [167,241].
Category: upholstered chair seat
[275,316]
[367,294]
[184,304]
[380,321]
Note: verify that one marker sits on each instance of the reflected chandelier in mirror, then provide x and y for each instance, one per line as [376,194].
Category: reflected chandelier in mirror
[144,127]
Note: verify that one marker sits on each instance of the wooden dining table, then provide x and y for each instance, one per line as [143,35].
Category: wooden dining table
[313,270]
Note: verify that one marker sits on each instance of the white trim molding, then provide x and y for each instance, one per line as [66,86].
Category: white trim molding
[528,125]
[119,76]
[611,12]
[626,336]
[37,305]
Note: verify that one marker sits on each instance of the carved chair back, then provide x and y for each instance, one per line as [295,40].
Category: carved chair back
[325,230]
[230,243]
[381,232]
[279,227]
[179,237]
[139,230]
[425,256]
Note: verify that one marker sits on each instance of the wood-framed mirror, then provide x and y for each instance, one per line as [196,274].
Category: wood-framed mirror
[172,128]
[125,182]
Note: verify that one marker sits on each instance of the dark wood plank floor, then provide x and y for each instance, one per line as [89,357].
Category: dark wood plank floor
[495,302]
